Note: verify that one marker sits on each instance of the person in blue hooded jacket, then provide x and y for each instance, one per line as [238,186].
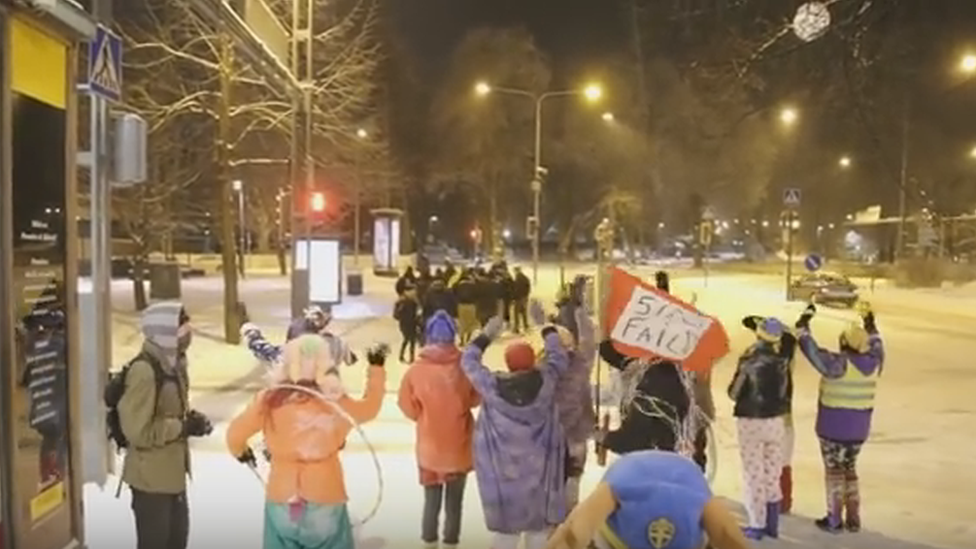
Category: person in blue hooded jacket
[650,499]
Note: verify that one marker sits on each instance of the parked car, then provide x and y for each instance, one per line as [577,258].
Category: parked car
[824,288]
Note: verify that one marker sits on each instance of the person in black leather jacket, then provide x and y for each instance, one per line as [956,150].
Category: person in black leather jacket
[761,389]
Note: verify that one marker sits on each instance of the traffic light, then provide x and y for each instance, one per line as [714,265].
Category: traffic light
[318,202]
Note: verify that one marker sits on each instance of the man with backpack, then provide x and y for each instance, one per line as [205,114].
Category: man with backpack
[152,422]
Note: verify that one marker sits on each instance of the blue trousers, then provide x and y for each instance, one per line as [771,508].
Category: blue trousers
[311,527]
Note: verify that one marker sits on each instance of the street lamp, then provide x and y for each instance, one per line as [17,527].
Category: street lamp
[608,117]
[972,153]
[362,135]
[968,63]
[593,93]
[788,116]
[845,162]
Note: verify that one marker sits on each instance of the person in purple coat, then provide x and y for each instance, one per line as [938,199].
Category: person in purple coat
[848,383]
[519,445]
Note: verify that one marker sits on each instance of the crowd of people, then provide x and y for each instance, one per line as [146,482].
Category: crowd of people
[470,295]
[528,445]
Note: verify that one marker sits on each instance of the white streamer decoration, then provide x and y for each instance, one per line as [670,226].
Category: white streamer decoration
[811,21]
[362,434]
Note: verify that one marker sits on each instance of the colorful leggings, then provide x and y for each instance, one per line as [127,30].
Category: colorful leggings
[760,447]
[306,526]
[840,472]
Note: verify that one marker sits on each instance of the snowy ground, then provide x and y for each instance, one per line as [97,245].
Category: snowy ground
[916,473]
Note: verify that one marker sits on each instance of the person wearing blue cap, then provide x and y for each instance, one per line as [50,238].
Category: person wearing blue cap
[761,391]
[650,499]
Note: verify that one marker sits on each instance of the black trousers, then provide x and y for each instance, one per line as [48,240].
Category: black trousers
[450,497]
[701,449]
[521,307]
[409,342]
[162,520]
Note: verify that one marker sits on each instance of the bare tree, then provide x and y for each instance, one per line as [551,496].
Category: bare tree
[182,74]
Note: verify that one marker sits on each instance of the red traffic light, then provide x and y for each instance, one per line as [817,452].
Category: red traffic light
[318,202]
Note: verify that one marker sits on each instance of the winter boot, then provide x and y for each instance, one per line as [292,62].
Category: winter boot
[772,520]
[830,524]
[786,486]
[753,533]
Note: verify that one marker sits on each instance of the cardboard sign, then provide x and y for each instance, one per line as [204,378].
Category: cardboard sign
[648,323]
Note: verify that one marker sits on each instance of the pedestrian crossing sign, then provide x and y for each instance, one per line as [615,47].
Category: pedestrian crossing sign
[105,65]
[792,197]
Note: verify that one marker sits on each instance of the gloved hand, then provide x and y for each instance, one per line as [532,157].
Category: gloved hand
[196,425]
[494,328]
[248,458]
[869,324]
[804,321]
[537,313]
[248,328]
[376,355]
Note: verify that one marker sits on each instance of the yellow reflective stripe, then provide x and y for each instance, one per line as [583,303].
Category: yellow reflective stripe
[611,538]
[854,391]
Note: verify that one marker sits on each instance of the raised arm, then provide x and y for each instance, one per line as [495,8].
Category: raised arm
[556,359]
[586,346]
[259,346]
[612,356]
[478,374]
[828,363]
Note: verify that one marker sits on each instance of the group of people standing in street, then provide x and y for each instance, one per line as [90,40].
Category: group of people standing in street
[528,445]
[470,295]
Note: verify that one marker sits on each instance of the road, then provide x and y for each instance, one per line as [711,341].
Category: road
[916,475]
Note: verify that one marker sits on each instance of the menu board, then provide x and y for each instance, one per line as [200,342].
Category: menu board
[38,298]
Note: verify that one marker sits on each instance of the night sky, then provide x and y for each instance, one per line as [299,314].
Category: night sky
[564,29]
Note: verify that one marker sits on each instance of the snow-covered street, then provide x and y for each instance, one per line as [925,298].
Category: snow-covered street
[917,476]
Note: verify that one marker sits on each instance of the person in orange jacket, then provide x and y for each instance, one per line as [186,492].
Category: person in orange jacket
[306,494]
[437,395]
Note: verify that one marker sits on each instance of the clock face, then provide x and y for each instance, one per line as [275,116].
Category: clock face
[811,21]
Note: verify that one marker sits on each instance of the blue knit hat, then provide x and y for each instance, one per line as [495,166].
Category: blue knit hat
[770,329]
[440,329]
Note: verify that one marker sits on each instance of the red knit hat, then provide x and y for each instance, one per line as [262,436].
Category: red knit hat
[519,357]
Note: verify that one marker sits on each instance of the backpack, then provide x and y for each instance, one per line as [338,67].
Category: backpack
[115,388]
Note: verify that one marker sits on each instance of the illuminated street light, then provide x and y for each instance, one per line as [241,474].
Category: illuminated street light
[968,63]
[593,92]
[608,117]
[788,116]
[361,133]
[845,162]
[972,153]
[482,88]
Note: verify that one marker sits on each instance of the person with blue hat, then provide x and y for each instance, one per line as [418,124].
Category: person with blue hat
[438,397]
[761,389]
[650,499]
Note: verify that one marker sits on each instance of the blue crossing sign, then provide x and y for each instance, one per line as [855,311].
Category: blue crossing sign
[813,263]
[105,65]
[792,197]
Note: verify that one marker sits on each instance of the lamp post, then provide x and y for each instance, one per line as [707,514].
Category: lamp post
[238,186]
[592,93]
[788,118]
[362,135]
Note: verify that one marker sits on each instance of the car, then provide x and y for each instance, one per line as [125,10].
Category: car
[824,288]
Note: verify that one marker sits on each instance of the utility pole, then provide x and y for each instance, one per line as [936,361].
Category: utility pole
[903,184]
[226,191]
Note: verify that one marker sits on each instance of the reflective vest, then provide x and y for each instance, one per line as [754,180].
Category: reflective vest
[852,391]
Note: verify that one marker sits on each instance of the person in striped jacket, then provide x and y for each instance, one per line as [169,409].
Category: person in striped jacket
[849,379]
[313,321]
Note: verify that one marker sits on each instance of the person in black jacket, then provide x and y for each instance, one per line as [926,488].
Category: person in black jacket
[466,296]
[521,290]
[407,314]
[657,400]
[761,391]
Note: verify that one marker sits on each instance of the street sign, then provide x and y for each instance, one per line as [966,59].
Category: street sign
[813,263]
[705,236]
[792,197]
[105,65]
